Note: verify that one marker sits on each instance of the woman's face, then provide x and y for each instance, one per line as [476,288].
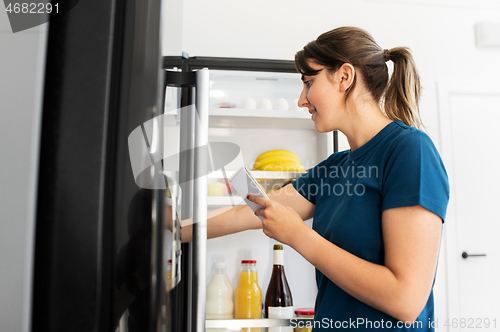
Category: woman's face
[322,96]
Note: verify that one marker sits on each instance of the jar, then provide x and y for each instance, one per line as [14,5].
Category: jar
[304,313]
[219,294]
[248,295]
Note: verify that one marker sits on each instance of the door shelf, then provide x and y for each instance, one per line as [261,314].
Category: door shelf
[264,322]
[257,118]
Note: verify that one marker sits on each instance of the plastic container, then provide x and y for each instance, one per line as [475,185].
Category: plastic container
[248,295]
[304,313]
[219,295]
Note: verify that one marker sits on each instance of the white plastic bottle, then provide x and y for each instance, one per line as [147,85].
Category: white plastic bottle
[220,294]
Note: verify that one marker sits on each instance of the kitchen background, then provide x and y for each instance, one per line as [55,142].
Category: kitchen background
[459,107]
[442,37]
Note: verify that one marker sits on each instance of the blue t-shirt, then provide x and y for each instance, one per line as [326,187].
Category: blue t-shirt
[398,167]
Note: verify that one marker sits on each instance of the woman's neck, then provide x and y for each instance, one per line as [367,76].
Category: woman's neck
[366,121]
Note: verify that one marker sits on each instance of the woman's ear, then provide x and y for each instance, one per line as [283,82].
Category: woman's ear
[346,74]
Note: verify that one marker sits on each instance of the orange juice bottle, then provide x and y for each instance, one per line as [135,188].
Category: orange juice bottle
[248,295]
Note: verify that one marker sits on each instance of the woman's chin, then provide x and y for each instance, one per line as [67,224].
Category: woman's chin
[322,129]
[319,129]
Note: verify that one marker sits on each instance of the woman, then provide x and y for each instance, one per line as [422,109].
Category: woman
[378,208]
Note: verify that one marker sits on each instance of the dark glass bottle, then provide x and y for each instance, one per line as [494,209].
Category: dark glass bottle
[279,302]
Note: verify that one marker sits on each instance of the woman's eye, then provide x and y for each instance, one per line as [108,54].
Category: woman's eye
[308,83]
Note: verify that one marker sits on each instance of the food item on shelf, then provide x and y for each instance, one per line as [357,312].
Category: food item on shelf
[169,269]
[227,105]
[265,104]
[249,103]
[305,313]
[281,105]
[294,106]
[248,295]
[230,188]
[217,189]
[275,152]
[278,160]
[275,159]
[279,303]
[219,294]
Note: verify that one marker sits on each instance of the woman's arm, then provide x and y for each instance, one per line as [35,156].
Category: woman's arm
[399,288]
[229,220]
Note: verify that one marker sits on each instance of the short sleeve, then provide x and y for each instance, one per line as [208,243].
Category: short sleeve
[308,184]
[415,175]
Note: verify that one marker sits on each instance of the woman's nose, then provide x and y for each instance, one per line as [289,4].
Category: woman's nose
[303,99]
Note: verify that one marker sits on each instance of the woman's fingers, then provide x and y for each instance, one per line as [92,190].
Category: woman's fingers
[262,201]
[275,217]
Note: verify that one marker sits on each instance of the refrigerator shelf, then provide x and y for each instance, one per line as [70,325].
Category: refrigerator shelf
[264,322]
[261,175]
[257,118]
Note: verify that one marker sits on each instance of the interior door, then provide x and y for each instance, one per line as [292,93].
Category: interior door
[469,127]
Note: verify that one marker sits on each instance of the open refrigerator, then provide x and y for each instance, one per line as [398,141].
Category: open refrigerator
[124,158]
[251,108]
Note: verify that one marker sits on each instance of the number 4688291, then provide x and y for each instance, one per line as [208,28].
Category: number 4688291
[32,8]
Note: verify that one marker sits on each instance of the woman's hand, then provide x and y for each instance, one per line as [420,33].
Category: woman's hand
[280,223]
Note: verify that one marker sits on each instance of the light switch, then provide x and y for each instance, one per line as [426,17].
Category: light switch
[487,34]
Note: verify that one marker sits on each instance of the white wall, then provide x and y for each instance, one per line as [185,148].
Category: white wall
[440,33]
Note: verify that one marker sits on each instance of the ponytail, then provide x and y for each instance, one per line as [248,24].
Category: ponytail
[403,90]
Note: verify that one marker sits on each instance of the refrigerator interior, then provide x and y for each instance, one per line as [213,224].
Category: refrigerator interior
[256,131]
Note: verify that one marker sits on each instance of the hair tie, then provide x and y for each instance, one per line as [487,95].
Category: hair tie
[387,55]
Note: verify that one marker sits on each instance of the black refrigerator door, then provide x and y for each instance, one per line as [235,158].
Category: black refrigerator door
[99,235]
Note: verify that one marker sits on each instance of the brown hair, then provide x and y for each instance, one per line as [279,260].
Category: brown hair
[355,46]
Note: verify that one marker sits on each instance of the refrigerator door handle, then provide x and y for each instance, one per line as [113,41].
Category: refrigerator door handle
[200,201]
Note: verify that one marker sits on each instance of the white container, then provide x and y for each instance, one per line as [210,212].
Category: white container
[220,295]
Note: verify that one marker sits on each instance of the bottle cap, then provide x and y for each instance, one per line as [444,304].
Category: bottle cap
[219,264]
[305,312]
[246,261]
[278,247]
[169,261]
